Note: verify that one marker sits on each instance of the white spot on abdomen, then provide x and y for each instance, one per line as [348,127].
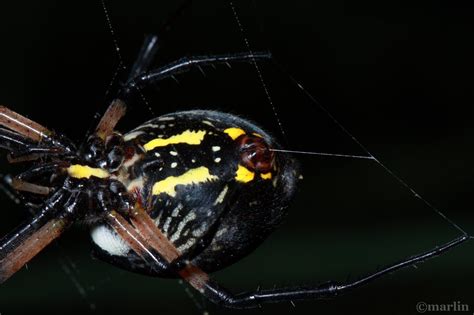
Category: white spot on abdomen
[132,135]
[189,243]
[188,218]
[221,196]
[176,210]
[145,126]
[109,241]
[166,118]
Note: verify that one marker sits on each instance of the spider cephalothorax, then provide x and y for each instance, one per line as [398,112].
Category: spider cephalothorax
[180,195]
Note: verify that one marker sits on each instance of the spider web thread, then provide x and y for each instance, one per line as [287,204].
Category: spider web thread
[257,68]
[121,66]
[369,156]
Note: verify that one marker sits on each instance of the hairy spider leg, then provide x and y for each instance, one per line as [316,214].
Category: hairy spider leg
[7,189]
[151,45]
[41,170]
[22,148]
[145,56]
[28,140]
[27,240]
[21,181]
[150,243]
[197,278]
[23,125]
[117,108]
[13,194]
[111,117]
[33,153]
[12,141]
[146,227]
[187,63]
[130,235]
[22,185]
[329,289]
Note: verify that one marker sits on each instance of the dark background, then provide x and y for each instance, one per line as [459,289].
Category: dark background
[397,76]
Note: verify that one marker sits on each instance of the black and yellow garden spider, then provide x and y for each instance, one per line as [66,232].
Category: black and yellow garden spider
[181,195]
[99,172]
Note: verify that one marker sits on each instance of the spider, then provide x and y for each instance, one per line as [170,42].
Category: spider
[181,195]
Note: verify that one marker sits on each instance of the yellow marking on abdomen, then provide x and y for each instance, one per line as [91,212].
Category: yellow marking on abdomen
[244,175]
[234,133]
[84,171]
[266,175]
[188,137]
[193,176]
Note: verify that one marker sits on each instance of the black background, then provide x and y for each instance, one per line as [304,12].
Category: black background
[397,76]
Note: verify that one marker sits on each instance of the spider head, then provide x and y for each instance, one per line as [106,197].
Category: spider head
[105,153]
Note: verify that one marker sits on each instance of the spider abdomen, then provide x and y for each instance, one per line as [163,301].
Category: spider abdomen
[210,182]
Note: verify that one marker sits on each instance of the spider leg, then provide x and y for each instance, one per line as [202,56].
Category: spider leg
[27,240]
[22,148]
[138,77]
[186,64]
[23,125]
[7,189]
[40,170]
[128,233]
[111,117]
[151,43]
[23,181]
[12,141]
[330,289]
[147,228]
[22,185]
[33,153]
[147,241]
[117,108]
[152,236]
[23,129]
[13,195]
[136,242]
[145,56]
